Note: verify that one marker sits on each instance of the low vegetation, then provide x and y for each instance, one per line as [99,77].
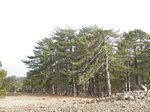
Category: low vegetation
[3,74]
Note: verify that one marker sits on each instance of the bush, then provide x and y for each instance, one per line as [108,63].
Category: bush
[3,91]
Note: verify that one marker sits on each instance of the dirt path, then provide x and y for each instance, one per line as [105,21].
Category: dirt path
[30,103]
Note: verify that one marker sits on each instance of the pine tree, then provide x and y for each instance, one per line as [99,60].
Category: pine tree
[130,51]
[95,59]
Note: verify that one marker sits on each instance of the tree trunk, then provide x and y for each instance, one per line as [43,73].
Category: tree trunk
[74,92]
[127,79]
[67,86]
[107,76]
[67,83]
[53,89]
[128,83]
[97,85]
[135,65]
[58,82]
[91,87]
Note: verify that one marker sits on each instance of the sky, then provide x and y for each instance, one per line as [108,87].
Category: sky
[25,22]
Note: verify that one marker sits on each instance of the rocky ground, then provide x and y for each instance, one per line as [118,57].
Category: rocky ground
[36,103]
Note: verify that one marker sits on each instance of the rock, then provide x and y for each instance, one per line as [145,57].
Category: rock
[132,95]
[123,106]
[148,99]
[127,103]
[43,98]
[125,96]
[144,87]
[75,106]
[80,110]
[72,110]
[52,111]
[148,93]
[130,98]
[121,96]
[97,100]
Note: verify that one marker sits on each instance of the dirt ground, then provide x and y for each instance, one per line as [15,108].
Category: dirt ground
[45,103]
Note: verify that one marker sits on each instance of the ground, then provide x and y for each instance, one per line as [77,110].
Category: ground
[45,103]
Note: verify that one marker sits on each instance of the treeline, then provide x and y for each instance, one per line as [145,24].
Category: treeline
[89,61]
[14,84]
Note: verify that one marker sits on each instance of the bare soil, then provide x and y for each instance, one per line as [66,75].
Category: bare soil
[45,103]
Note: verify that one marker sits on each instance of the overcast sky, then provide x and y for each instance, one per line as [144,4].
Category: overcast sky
[24,22]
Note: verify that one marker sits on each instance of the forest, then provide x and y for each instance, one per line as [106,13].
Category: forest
[89,61]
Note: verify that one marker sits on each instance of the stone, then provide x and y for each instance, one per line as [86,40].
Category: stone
[130,98]
[144,87]
[121,96]
[80,110]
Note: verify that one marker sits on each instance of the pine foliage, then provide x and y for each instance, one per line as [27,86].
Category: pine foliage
[89,61]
